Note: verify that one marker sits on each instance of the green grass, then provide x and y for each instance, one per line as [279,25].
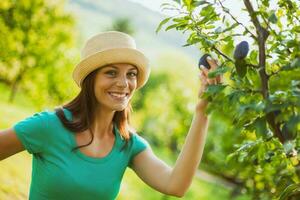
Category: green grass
[15,171]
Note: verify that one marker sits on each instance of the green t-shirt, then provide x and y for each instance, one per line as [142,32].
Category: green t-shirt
[60,174]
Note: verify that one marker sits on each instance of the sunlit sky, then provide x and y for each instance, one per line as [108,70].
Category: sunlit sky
[155,4]
[235,7]
[152,4]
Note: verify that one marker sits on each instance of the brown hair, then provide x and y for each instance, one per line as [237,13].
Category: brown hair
[82,109]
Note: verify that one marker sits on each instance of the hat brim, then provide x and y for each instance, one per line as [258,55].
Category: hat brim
[112,56]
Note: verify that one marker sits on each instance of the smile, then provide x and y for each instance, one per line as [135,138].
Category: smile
[118,96]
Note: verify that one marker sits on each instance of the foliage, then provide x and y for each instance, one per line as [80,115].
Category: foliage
[123,25]
[163,107]
[263,102]
[36,38]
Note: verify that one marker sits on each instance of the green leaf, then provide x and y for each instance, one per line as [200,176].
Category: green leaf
[241,67]
[253,55]
[171,26]
[188,4]
[186,45]
[207,11]
[223,19]
[265,3]
[199,3]
[289,129]
[230,28]
[261,126]
[177,1]
[289,191]
[295,63]
[295,87]
[218,71]
[162,23]
[272,18]
[218,30]
[213,89]
[231,157]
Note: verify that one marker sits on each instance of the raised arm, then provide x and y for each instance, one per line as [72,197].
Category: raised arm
[9,144]
[176,181]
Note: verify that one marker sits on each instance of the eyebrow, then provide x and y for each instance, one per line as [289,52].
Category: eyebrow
[113,66]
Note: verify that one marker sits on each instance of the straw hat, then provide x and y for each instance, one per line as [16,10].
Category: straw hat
[108,48]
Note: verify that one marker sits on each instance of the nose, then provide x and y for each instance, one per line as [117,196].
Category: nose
[122,81]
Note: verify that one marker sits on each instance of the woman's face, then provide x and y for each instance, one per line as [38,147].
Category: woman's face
[115,85]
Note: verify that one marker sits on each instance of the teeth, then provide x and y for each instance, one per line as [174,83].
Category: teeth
[118,95]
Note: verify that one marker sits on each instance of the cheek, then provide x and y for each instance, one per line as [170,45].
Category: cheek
[99,91]
[133,84]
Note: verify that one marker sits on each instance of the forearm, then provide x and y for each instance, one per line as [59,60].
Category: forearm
[190,155]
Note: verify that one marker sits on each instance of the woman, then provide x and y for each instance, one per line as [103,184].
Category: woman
[81,150]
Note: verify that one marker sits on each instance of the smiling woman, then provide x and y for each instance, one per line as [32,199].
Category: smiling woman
[82,149]
[115,85]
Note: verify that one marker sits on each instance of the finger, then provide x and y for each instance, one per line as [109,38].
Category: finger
[203,78]
[212,62]
[204,69]
[204,81]
[210,81]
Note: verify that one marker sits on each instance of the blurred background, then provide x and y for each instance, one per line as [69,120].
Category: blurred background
[40,45]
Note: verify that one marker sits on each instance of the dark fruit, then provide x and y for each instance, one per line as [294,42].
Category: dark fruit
[241,50]
[203,61]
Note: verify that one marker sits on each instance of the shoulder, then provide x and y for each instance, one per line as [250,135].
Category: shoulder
[135,137]
[37,118]
[52,114]
[44,117]
[138,142]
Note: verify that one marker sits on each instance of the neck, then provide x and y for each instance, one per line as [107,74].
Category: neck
[102,125]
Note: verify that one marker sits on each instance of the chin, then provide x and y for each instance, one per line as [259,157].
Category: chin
[119,108]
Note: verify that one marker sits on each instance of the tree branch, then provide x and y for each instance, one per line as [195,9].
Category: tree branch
[222,54]
[226,10]
[262,37]
[213,47]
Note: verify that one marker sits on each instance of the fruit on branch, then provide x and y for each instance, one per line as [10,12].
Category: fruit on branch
[203,61]
[240,53]
[241,50]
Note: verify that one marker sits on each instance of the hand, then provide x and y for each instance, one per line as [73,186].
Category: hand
[205,81]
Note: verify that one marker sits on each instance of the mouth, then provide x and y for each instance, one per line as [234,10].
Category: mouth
[119,96]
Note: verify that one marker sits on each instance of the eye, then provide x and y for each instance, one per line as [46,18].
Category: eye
[111,73]
[132,74]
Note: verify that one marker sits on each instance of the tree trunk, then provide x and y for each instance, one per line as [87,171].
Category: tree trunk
[13,91]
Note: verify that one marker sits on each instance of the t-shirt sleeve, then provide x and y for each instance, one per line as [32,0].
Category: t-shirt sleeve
[138,145]
[31,132]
